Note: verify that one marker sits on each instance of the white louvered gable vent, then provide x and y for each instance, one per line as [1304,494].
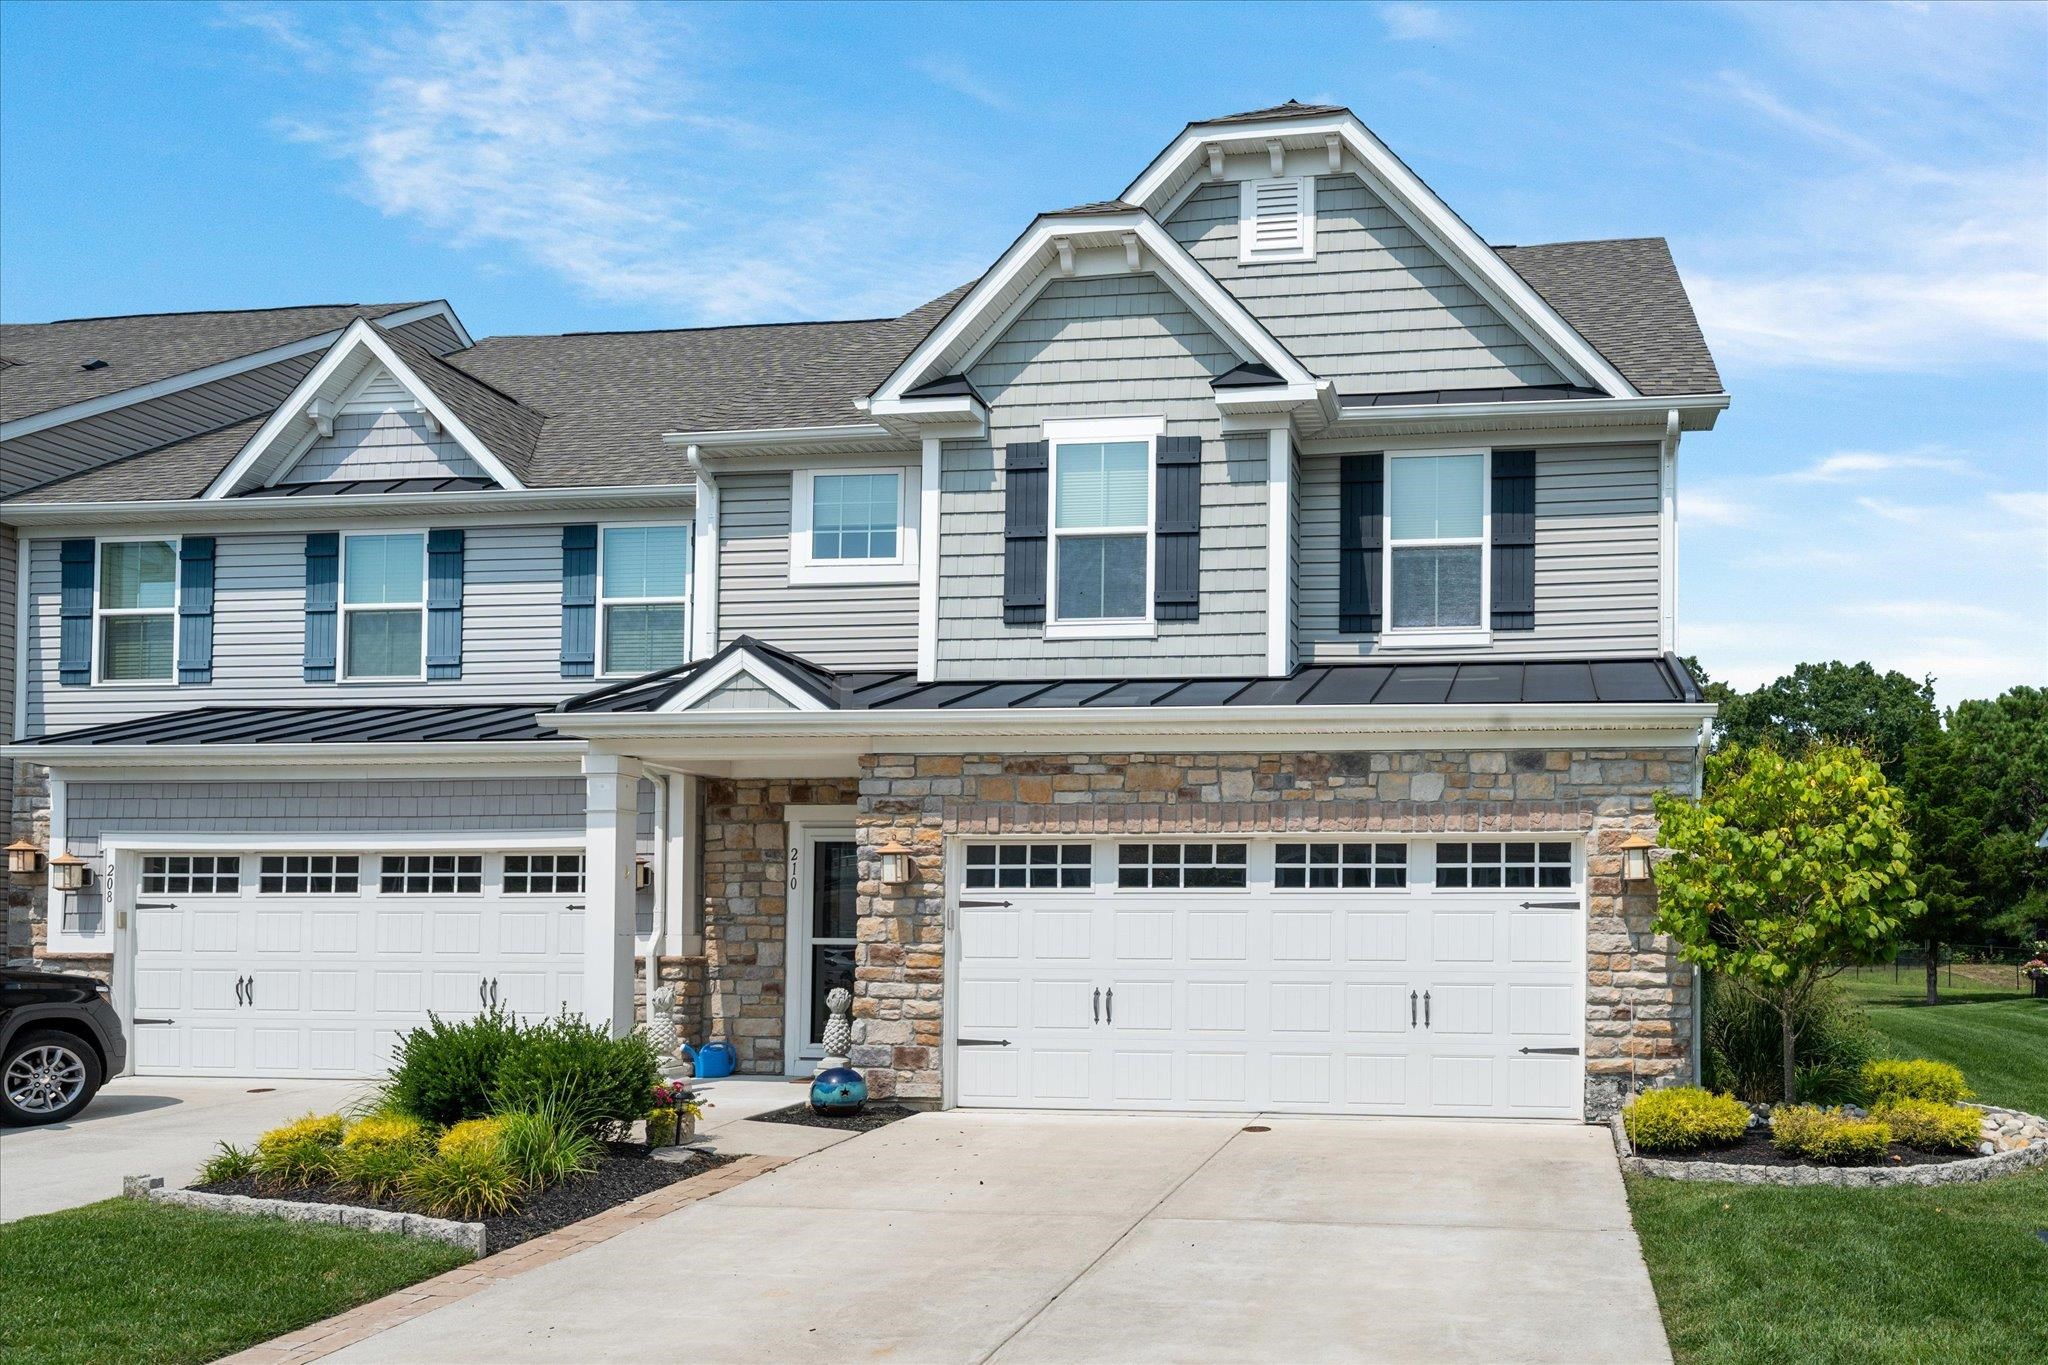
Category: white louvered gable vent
[1277,219]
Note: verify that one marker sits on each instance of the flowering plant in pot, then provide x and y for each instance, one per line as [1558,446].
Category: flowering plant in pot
[674,1114]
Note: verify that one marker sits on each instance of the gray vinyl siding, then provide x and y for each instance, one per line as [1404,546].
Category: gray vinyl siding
[1597,574]
[1376,310]
[1118,346]
[864,626]
[512,597]
[742,694]
[382,445]
[57,451]
[8,588]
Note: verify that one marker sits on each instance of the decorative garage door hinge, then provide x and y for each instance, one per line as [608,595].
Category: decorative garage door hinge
[1552,1051]
[981,1042]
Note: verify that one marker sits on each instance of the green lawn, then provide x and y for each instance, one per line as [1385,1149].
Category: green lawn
[1769,1274]
[1998,1036]
[126,1281]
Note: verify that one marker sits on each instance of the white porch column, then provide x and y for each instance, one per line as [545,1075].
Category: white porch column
[611,824]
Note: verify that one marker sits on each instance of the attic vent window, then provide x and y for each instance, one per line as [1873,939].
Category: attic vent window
[1277,219]
[94,364]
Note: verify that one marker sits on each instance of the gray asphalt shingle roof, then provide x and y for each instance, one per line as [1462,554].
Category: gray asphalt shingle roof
[508,428]
[47,358]
[1625,298]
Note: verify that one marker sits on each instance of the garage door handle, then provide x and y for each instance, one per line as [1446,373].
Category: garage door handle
[494,992]
[1095,1006]
[238,991]
[1109,1006]
[252,988]
[1411,1009]
[1425,1009]
[1551,1051]
[483,991]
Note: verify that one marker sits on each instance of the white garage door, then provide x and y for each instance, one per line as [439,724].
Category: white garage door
[311,963]
[1384,977]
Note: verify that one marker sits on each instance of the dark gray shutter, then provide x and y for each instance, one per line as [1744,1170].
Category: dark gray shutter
[74,607]
[1177,576]
[195,609]
[1026,498]
[323,585]
[579,601]
[1514,540]
[444,603]
[1361,507]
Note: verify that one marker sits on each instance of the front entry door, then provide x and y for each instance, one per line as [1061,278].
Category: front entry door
[822,933]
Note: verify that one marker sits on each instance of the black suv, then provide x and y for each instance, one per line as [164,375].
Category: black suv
[59,1039]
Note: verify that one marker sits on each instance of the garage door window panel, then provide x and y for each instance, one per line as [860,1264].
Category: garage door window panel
[1512,864]
[543,874]
[432,874]
[1029,867]
[191,874]
[1340,867]
[309,874]
[1186,867]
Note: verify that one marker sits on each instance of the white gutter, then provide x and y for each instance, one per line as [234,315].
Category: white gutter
[706,554]
[321,507]
[399,753]
[1648,409]
[780,436]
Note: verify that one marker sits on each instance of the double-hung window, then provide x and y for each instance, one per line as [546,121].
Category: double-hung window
[1102,524]
[643,588]
[853,526]
[383,605]
[1436,544]
[138,611]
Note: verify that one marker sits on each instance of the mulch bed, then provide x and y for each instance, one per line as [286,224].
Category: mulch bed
[625,1172]
[871,1117]
[1755,1150]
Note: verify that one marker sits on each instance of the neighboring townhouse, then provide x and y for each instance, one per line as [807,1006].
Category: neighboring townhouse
[87,392]
[1215,660]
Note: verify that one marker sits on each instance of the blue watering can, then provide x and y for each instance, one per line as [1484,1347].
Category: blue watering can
[716,1059]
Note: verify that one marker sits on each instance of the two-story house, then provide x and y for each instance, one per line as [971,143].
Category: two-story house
[1214,660]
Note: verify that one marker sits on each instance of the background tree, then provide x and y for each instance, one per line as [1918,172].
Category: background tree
[1883,714]
[1786,871]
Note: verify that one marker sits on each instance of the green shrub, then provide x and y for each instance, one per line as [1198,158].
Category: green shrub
[466,1183]
[1684,1118]
[379,1170]
[543,1148]
[445,1073]
[593,1080]
[1743,1049]
[472,1136]
[1929,1126]
[228,1162]
[1887,1078]
[1833,1136]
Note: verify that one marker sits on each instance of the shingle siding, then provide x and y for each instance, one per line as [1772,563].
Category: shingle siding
[393,444]
[1376,310]
[1597,575]
[839,627]
[1108,347]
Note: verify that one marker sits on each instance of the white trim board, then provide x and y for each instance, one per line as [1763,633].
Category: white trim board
[740,663]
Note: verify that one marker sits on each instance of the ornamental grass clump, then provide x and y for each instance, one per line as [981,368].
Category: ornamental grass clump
[386,1130]
[472,1136]
[468,1182]
[1684,1118]
[1930,1126]
[301,1152]
[543,1148]
[1833,1137]
[1888,1078]
[228,1162]
[378,1152]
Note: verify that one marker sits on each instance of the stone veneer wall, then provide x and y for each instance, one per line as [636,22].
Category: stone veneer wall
[746,910]
[1639,999]
[26,899]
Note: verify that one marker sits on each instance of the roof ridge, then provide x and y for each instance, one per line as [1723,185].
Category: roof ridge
[1579,241]
[217,312]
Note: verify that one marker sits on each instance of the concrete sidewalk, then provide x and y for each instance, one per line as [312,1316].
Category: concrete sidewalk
[1021,1237]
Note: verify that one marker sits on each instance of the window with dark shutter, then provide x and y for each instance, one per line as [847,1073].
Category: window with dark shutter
[579,601]
[323,581]
[1361,513]
[1514,540]
[74,607]
[444,603]
[195,610]
[1176,592]
[1025,503]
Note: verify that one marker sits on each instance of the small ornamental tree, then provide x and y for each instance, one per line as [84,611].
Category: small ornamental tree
[1785,872]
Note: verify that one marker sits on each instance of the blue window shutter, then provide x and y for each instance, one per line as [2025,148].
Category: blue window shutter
[579,601]
[74,655]
[444,604]
[1361,508]
[195,609]
[1177,577]
[1514,540]
[1026,503]
[323,585]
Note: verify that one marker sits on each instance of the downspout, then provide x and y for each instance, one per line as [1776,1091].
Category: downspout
[705,536]
[657,934]
[1667,536]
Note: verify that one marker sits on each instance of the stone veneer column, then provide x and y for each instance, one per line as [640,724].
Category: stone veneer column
[1639,995]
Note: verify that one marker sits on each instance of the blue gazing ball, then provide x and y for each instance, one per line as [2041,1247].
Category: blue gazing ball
[840,1092]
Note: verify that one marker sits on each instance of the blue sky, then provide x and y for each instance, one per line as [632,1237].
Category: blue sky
[1857,195]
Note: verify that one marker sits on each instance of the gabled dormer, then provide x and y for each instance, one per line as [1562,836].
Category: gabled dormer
[381,413]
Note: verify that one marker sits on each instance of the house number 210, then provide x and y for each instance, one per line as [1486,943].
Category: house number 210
[795,857]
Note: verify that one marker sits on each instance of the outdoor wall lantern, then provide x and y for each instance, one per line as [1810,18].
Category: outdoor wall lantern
[1635,858]
[24,858]
[70,874]
[895,858]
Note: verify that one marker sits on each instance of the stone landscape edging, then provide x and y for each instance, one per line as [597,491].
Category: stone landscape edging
[1962,1172]
[468,1236]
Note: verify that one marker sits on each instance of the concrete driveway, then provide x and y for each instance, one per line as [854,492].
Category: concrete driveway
[151,1125]
[1016,1237]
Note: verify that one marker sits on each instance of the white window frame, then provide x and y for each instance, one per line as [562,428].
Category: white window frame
[554,874]
[99,613]
[1440,637]
[996,848]
[900,567]
[342,605]
[604,663]
[1089,431]
[1305,220]
[334,873]
[219,865]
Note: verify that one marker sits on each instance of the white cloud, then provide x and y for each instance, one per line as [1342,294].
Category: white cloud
[1412,21]
[1707,507]
[954,74]
[1863,464]
[2031,506]
[1874,321]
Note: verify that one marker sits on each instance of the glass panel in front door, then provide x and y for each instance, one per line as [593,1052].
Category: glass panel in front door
[835,875]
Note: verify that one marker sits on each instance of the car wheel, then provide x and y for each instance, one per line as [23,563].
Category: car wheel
[46,1077]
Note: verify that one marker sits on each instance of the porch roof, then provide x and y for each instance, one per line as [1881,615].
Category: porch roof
[494,723]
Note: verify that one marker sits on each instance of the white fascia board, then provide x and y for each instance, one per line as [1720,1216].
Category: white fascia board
[359,334]
[1428,215]
[739,663]
[1696,413]
[291,511]
[142,393]
[350,841]
[961,418]
[1032,253]
[750,438]
[408,759]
